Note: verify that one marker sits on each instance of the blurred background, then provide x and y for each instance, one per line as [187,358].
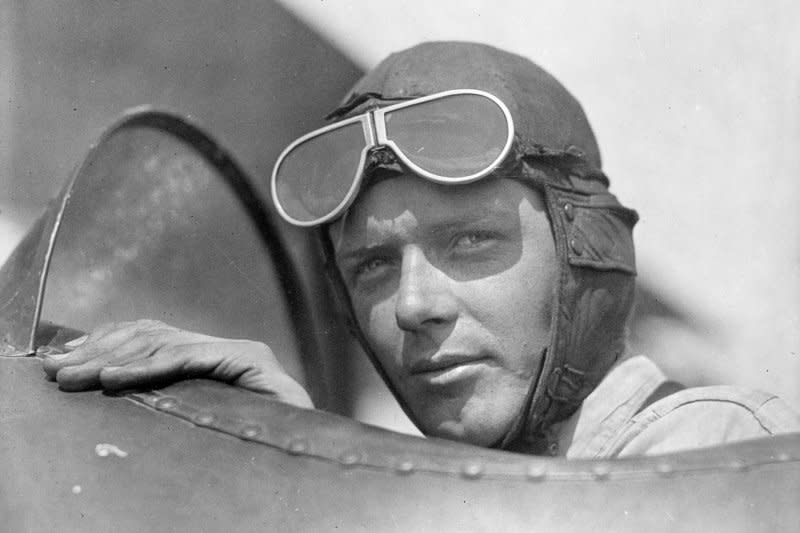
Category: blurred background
[696,108]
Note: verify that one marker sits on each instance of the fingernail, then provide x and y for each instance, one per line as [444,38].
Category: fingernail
[57,356]
[76,342]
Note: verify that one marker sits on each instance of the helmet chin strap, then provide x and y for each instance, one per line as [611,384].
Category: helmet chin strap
[510,441]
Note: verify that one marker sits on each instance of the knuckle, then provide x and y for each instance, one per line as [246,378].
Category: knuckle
[51,367]
[167,352]
[146,337]
[65,375]
[153,324]
[155,329]
[102,332]
[111,378]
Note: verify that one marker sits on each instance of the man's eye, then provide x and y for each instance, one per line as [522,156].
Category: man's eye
[371,267]
[472,240]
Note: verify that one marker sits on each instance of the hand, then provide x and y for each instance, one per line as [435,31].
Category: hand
[147,352]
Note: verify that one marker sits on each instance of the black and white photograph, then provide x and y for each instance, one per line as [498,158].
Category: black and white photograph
[341,265]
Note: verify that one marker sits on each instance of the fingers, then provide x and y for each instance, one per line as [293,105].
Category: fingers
[74,343]
[152,371]
[97,349]
[250,365]
[253,366]
[148,353]
[109,345]
[78,378]
[223,361]
[281,385]
[118,345]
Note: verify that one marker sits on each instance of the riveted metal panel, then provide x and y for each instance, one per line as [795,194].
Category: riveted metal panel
[205,456]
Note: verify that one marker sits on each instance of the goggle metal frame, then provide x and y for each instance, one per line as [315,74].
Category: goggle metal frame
[373,124]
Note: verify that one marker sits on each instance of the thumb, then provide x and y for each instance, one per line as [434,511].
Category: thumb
[279,384]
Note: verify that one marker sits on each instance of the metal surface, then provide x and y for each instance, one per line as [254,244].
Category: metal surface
[159,222]
[249,69]
[22,282]
[201,455]
[20,279]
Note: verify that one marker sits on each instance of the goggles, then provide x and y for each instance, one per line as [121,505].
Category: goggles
[449,137]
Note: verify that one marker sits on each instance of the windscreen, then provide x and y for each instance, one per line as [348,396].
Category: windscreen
[151,230]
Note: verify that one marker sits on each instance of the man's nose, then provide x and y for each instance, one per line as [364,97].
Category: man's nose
[424,295]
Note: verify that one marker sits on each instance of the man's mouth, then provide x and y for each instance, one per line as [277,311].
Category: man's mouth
[448,368]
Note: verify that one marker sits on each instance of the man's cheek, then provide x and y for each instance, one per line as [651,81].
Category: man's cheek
[380,327]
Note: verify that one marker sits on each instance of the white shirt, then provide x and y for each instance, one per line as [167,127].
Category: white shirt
[613,423]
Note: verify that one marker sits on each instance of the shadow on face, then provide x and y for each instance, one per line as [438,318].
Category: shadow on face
[452,287]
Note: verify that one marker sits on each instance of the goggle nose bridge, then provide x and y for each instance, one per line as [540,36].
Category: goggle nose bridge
[380,155]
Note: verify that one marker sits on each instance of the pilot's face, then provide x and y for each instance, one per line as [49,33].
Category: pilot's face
[452,287]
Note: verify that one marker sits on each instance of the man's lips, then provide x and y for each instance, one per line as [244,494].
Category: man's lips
[443,362]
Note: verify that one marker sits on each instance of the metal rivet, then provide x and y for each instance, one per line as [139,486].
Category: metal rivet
[569,211]
[472,470]
[665,469]
[349,458]
[576,245]
[205,419]
[404,467]
[166,403]
[251,431]
[601,471]
[298,446]
[536,471]
[552,448]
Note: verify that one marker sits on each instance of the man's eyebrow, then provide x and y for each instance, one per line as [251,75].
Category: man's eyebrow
[497,215]
[472,219]
[355,254]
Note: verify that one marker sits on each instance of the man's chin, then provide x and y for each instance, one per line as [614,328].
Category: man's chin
[466,432]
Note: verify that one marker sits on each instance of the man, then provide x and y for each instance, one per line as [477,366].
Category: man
[483,263]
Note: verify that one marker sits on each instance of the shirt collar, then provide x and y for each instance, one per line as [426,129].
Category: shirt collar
[605,412]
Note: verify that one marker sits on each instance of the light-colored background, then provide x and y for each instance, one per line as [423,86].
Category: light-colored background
[697,109]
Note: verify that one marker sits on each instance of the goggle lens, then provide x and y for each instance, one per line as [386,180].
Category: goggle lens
[453,137]
[450,137]
[316,176]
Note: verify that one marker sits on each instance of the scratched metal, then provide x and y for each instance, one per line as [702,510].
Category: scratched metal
[257,465]
[160,223]
[22,279]
[19,285]
[258,418]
